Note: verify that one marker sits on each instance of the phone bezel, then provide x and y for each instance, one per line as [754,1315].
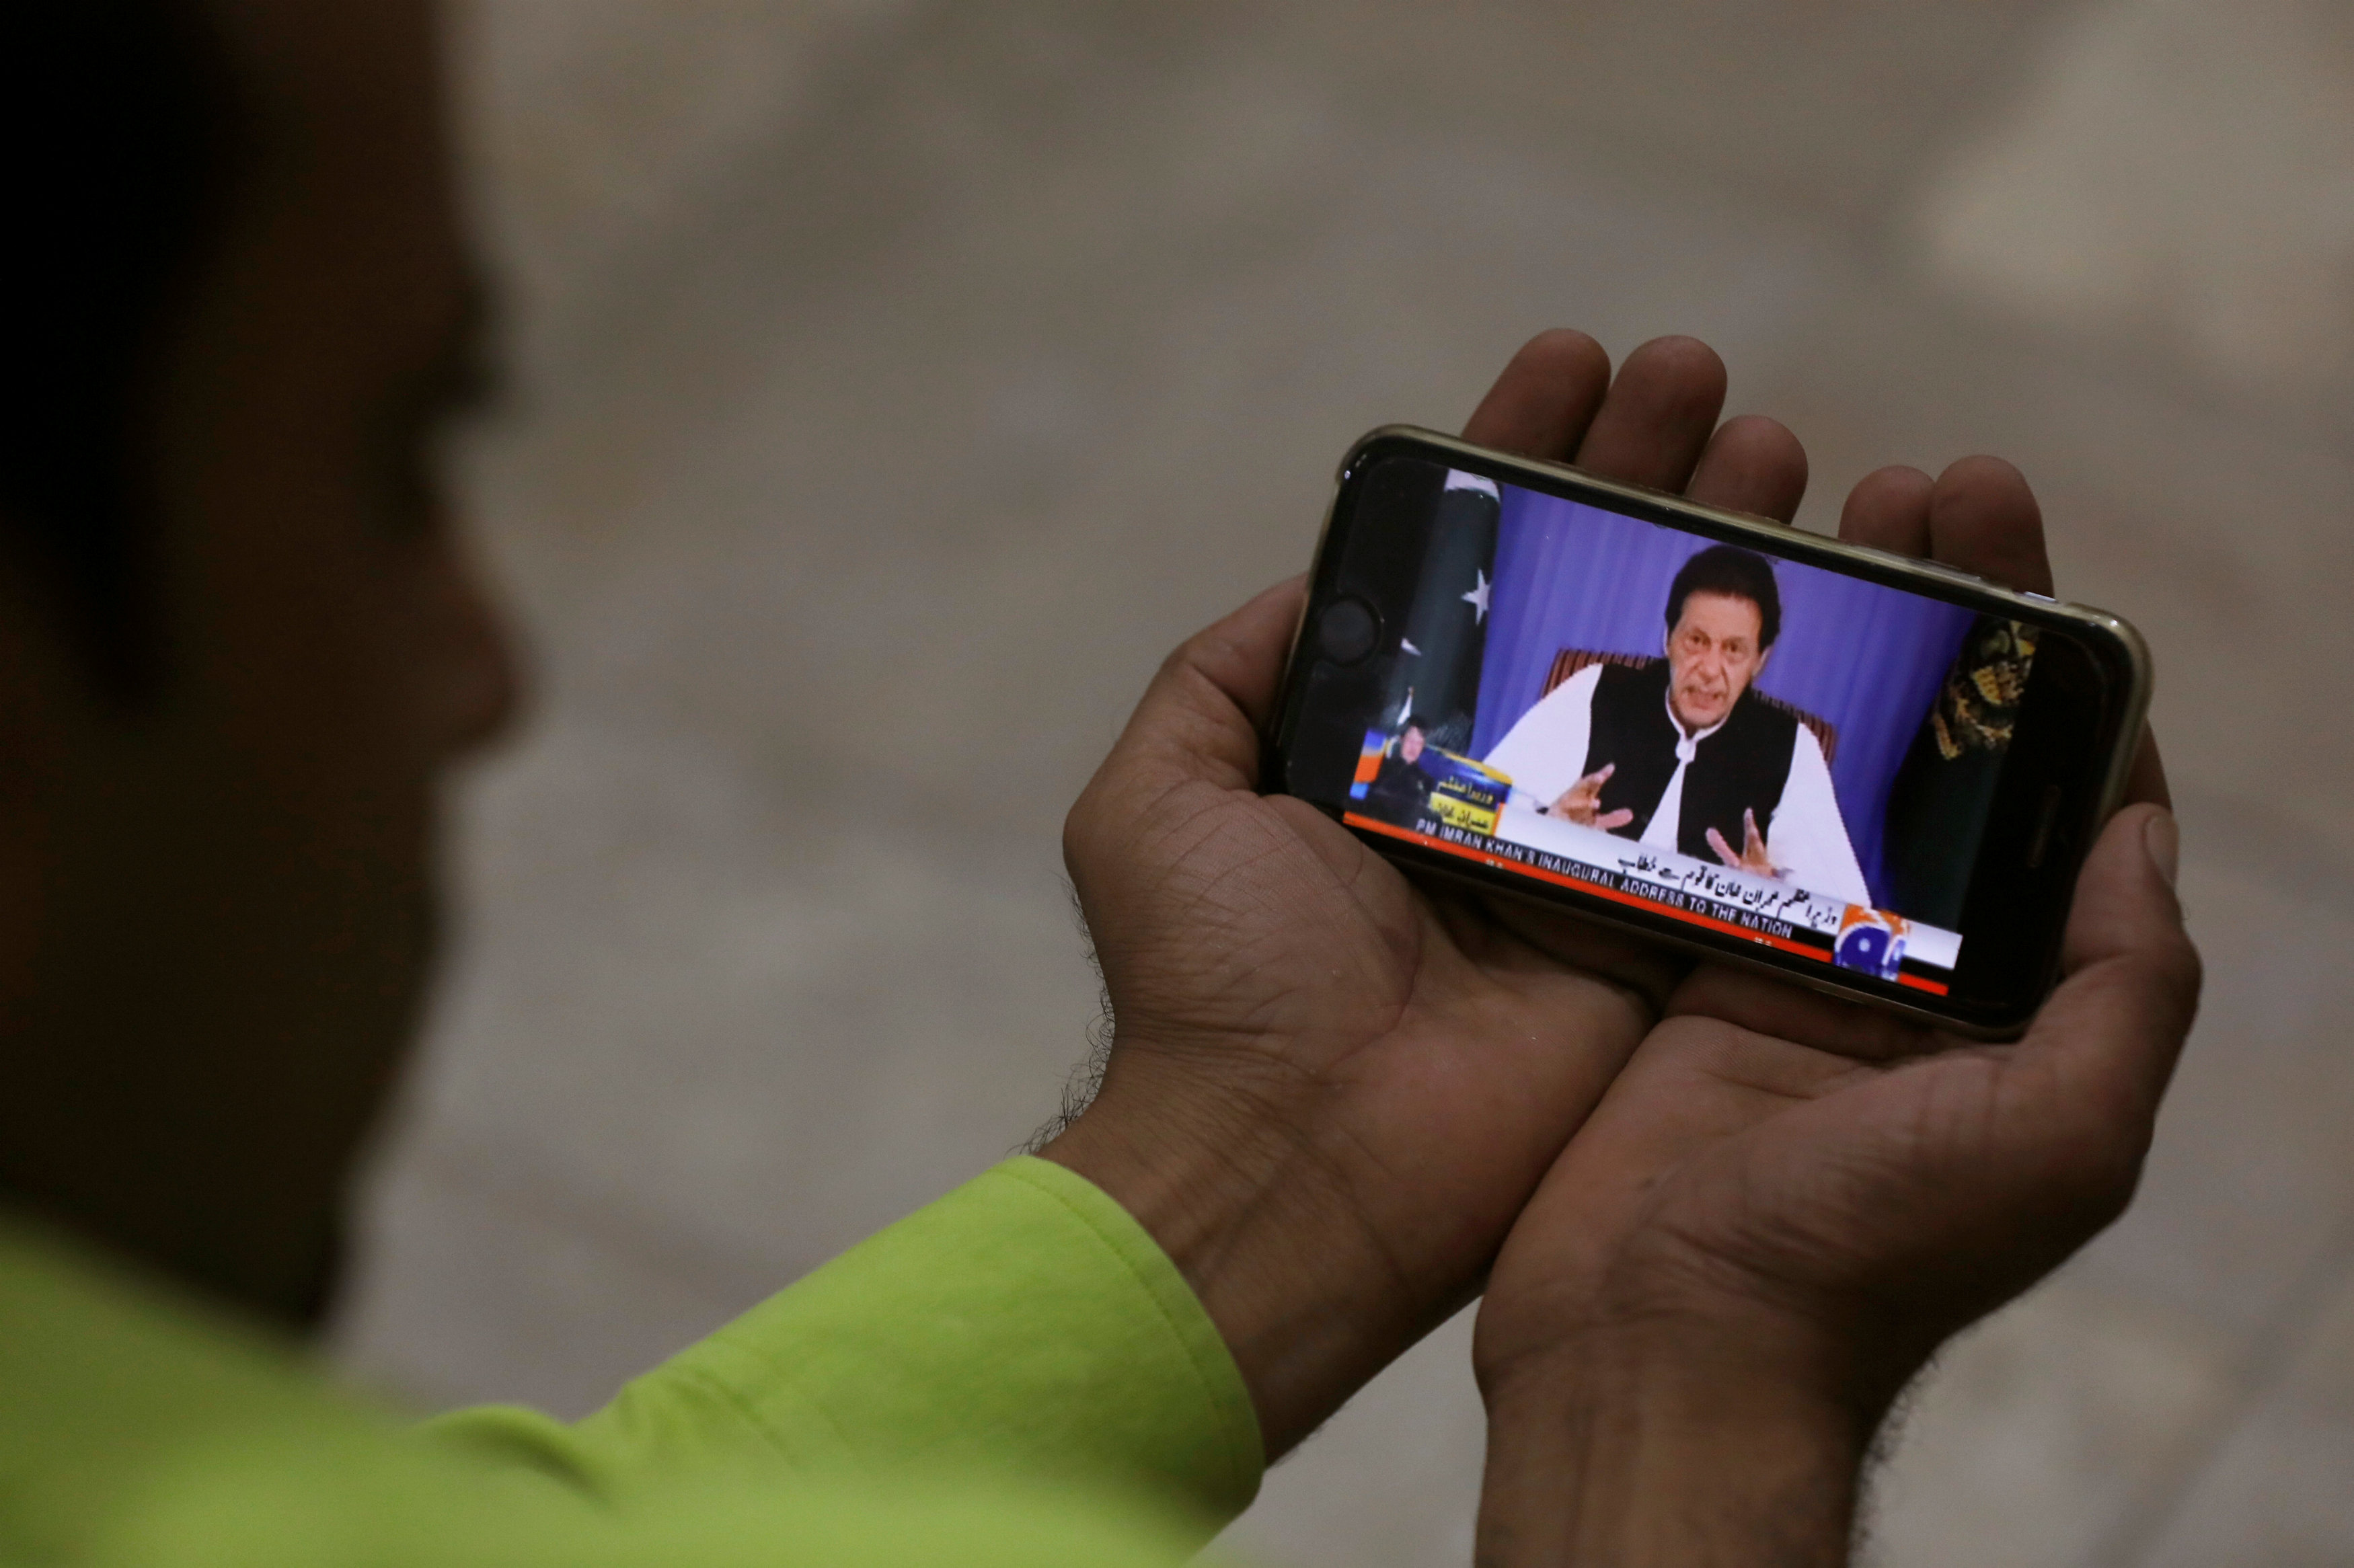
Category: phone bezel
[2047,742]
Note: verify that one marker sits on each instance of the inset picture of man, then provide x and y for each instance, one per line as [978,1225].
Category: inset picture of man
[1401,790]
[1682,753]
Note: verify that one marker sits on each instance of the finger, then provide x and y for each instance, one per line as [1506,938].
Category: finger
[2146,784]
[2124,894]
[1600,776]
[2109,1035]
[1201,717]
[1753,465]
[1656,419]
[1889,510]
[1618,819]
[1724,851]
[1984,519]
[1542,404]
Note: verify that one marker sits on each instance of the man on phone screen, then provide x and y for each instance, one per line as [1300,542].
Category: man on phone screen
[1401,791]
[1682,753]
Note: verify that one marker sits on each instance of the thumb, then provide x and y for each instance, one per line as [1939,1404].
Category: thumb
[1201,717]
[2110,1034]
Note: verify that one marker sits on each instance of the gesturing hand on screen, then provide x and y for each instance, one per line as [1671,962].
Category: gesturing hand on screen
[1331,1092]
[1582,802]
[1753,857]
[1785,1202]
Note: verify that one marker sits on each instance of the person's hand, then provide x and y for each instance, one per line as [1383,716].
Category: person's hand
[1753,857]
[1330,1091]
[1582,802]
[1786,1201]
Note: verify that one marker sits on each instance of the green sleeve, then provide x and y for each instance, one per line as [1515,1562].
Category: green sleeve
[1024,1325]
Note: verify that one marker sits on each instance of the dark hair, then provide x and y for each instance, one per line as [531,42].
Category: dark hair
[1414,721]
[1737,573]
[116,117]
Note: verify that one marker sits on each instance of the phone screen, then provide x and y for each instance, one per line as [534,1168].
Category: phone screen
[1748,744]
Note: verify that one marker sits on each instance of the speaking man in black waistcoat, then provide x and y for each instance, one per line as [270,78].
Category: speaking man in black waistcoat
[1401,791]
[1681,753]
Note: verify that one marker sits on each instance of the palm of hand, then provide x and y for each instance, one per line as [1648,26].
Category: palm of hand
[1424,1059]
[1911,1179]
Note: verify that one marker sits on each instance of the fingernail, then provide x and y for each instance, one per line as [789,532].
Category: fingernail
[2163,841]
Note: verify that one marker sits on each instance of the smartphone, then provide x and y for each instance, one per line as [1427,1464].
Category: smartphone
[1873,775]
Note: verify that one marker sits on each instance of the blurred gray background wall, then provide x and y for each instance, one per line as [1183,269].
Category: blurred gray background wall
[894,382]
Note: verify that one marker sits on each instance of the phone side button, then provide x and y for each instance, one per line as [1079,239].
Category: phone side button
[2038,598]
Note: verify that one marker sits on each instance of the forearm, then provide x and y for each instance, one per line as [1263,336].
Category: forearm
[1022,1324]
[1668,1456]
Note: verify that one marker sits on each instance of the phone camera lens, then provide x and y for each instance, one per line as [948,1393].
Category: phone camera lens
[1348,630]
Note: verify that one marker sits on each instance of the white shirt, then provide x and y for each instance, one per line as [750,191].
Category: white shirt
[1545,754]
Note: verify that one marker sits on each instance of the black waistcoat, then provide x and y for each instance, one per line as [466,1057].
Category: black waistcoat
[1742,767]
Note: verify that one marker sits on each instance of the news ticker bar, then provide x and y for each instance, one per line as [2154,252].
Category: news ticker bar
[1601,883]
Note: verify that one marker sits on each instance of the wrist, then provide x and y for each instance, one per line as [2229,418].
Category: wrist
[1288,1270]
[1674,1444]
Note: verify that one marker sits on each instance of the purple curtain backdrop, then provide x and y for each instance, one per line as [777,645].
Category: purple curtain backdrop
[1867,658]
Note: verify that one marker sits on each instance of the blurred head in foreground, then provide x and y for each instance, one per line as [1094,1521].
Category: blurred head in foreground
[240,639]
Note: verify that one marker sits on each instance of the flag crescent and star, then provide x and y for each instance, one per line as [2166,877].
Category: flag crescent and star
[1478,600]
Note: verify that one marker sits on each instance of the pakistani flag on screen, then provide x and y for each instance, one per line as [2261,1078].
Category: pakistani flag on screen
[1434,670]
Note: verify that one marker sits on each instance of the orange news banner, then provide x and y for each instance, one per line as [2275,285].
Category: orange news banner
[1579,885]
